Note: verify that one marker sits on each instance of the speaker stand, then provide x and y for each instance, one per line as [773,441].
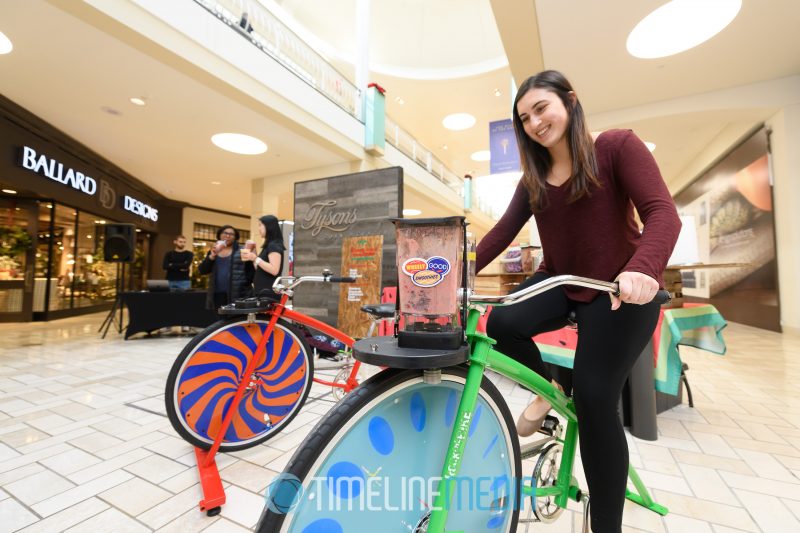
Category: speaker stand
[119,288]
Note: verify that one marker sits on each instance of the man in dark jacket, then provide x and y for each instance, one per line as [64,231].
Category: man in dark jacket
[231,278]
[177,263]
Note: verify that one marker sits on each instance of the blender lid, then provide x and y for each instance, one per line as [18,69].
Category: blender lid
[429,221]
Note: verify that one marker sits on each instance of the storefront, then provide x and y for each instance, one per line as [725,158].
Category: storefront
[58,204]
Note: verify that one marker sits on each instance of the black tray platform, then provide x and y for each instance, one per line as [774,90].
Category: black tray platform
[384,351]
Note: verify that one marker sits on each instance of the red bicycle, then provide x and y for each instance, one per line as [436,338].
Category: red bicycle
[244,378]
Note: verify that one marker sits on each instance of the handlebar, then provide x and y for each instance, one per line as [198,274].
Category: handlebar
[661,296]
[286,284]
[346,279]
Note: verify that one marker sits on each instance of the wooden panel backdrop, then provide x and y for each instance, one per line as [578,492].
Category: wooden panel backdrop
[361,256]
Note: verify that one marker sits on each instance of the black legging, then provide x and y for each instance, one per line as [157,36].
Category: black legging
[608,344]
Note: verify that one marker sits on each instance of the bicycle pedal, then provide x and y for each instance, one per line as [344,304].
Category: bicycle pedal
[550,426]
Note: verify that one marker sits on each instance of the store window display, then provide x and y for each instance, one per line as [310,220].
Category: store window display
[14,244]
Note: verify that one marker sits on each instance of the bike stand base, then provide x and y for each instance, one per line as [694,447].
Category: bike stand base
[210,482]
[653,506]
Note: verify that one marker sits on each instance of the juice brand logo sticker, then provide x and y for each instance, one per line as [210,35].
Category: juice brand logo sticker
[413,265]
[426,278]
[440,265]
[426,273]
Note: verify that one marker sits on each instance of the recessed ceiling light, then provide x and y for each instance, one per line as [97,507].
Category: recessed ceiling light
[680,25]
[111,111]
[216,183]
[444,147]
[481,155]
[497,92]
[411,212]
[9,191]
[399,100]
[138,101]
[5,44]
[650,146]
[239,143]
[458,121]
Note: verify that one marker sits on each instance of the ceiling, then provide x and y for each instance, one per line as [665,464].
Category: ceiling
[439,57]
[584,39]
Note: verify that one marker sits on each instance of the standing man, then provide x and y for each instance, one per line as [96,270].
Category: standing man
[177,263]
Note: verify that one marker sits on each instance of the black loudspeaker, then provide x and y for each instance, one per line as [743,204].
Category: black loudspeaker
[119,243]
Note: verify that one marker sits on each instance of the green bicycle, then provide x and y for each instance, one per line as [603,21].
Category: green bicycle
[429,445]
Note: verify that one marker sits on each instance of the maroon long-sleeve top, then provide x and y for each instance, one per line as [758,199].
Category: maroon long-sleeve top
[597,236]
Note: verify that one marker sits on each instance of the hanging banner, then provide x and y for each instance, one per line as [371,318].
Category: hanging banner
[503,147]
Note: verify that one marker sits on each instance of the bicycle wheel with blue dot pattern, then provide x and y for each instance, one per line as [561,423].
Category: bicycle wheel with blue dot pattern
[375,463]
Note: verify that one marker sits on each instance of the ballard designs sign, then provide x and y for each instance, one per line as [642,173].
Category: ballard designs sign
[56,171]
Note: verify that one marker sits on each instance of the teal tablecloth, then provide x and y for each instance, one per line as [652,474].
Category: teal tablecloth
[698,325]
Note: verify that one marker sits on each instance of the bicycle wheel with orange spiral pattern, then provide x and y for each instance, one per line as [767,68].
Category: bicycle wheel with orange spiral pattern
[206,375]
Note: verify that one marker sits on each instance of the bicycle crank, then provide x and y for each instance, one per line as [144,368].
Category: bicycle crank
[545,474]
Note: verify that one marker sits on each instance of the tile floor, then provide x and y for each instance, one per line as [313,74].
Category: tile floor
[85,444]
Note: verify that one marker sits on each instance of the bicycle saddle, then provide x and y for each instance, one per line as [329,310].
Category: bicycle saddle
[379,310]
[244,306]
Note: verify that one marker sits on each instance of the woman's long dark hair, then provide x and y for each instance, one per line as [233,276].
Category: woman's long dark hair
[273,231]
[535,158]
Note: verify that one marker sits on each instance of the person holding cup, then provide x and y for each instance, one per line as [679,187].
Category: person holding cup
[231,277]
[269,262]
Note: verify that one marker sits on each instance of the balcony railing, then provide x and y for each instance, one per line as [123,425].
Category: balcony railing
[265,31]
[406,143]
[271,36]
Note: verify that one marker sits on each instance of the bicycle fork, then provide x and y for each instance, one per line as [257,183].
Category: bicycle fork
[458,439]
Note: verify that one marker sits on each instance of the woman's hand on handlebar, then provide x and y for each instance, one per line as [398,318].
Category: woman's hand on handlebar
[634,288]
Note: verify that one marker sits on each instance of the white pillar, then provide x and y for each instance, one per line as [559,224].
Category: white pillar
[784,141]
[362,52]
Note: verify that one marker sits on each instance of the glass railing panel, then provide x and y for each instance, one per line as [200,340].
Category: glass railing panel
[408,145]
[269,34]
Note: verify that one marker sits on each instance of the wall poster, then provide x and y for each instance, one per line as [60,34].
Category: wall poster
[731,205]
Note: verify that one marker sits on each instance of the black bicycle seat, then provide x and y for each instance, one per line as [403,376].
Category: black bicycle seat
[245,306]
[379,310]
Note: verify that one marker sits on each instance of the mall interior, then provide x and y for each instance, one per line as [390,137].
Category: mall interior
[128,123]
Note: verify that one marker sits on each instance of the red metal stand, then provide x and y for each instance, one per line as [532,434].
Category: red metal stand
[210,482]
[213,493]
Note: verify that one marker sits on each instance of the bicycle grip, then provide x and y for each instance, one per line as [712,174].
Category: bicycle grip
[345,279]
[662,297]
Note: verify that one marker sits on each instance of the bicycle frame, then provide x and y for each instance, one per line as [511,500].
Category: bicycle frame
[277,311]
[281,310]
[483,356]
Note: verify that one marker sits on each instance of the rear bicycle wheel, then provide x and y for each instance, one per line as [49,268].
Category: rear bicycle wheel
[205,376]
[373,462]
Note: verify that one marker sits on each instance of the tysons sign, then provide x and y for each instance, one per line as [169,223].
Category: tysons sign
[323,215]
[49,167]
[140,208]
